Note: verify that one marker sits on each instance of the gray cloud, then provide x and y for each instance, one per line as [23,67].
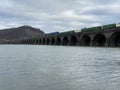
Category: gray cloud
[58,15]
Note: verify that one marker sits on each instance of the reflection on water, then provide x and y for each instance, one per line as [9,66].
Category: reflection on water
[36,67]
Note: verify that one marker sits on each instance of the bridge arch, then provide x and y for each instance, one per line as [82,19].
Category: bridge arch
[85,41]
[25,41]
[52,41]
[29,41]
[114,40]
[58,41]
[37,41]
[40,41]
[47,41]
[73,40]
[43,41]
[99,40]
[33,41]
[65,41]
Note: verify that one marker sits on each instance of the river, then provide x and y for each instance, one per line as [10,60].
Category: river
[37,67]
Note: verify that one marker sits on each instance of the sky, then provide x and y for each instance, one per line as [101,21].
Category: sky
[58,15]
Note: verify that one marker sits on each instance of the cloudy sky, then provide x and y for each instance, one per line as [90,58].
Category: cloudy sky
[58,15]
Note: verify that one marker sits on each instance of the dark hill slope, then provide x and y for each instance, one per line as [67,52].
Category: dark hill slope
[19,33]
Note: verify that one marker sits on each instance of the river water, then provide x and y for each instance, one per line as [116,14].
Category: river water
[37,67]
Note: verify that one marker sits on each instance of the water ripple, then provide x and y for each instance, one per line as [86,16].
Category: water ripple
[34,67]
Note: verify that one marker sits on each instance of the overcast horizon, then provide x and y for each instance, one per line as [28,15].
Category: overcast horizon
[58,15]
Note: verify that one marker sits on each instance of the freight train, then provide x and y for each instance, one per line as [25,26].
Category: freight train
[108,26]
[104,27]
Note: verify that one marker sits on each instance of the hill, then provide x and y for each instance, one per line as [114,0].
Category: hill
[18,33]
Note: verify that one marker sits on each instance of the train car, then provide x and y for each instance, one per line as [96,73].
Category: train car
[95,28]
[109,26]
[91,29]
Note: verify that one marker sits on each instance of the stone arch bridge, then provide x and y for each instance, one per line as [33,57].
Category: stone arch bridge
[108,37]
